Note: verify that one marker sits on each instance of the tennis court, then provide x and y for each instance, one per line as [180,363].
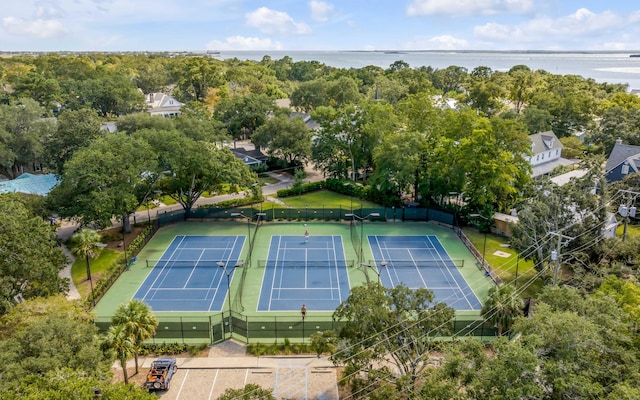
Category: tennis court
[189,275]
[297,272]
[422,262]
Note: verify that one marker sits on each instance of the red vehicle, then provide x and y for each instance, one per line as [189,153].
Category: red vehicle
[160,374]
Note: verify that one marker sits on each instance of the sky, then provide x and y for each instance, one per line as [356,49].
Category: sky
[234,25]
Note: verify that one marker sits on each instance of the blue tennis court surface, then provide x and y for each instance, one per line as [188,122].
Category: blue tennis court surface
[187,276]
[298,272]
[422,262]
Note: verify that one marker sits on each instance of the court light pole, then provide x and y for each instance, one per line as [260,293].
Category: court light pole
[228,273]
[361,219]
[484,246]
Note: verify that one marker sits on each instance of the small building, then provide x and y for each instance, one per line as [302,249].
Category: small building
[547,154]
[163,105]
[503,223]
[623,160]
[252,158]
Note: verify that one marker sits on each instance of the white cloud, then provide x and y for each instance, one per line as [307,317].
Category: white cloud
[39,28]
[272,21]
[233,43]
[580,26]
[320,11]
[442,42]
[468,7]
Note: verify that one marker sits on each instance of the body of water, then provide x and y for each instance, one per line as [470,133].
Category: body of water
[602,67]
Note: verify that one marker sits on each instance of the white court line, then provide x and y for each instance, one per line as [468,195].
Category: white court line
[454,279]
[275,270]
[193,269]
[153,284]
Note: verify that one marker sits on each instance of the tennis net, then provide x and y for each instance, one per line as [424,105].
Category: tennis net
[418,263]
[305,263]
[192,263]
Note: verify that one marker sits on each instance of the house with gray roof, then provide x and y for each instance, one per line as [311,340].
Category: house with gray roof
[623,160]
[547,154]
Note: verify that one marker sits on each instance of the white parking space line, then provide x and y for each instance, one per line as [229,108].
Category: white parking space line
[215,378]
[182,385]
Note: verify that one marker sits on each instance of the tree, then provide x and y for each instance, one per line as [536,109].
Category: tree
[242,115]
[135,122]
[495,160]
[84,244]
[584,343]
[110,178]
[309,95]
[570,209]
[250,391]
[511,373]
[502,307]
[22,135]
[138,321]
[30,259]
[110,94]
[195,75]
[286,138]
[395,325]
[48,334]
[191,167]
[67,383]
[120,344]
[75,130]
[38,87]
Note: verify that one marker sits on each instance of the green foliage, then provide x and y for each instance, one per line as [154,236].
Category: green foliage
[395,325]
[286,138]
[304,188]
[22,134]
[30,259]
[502,306]
[67,383]
[45,335]
[250,391]
[324,342]
[75,130]
[91,189]
[284,348]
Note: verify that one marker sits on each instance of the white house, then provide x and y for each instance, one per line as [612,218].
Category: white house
[162,104]
[547,152]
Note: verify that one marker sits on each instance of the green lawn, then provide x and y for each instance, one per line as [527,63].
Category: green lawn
[98,265]
[264,179]
[505,267]
[326,199]
[632,231]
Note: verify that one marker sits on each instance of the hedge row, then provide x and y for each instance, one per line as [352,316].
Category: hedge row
[118,265]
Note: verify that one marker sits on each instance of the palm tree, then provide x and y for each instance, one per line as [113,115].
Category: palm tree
[502,307]
[138,322]
[119,342]
[84,244]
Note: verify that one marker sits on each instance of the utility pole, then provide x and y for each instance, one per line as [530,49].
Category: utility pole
[628,209]
[555,254]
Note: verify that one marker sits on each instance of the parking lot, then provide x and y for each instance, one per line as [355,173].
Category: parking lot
[287,382]
[226,365]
